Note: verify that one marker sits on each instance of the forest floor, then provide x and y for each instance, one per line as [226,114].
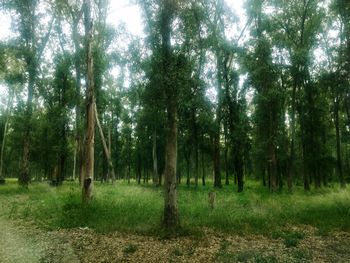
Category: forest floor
[23,242]
[45,224]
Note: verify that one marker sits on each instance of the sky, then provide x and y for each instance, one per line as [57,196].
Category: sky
[119,11]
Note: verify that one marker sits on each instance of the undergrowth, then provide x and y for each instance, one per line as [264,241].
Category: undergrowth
[138,208]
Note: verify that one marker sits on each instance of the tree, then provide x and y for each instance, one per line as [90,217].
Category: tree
[171,217]
[88,167]
[32,45]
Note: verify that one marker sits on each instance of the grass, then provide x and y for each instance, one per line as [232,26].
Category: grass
[138,208]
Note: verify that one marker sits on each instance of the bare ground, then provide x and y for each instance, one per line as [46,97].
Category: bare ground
[21,242]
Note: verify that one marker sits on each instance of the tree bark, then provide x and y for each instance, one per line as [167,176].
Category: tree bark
[155,160]
[78,149]
[203,168]
[171,217]
[338,143]
[226,157]
[105,148]
[24,178]
[8,110]
[88,167]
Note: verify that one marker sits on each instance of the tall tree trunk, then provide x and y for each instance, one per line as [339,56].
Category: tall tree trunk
[171,217]
[272,151]
[226,158]
[203,168]
[188,179]
[240,172]
[216,157]
[8,110]
[155,158]
[216,146]
[273,168]
[111,174]
[292,146]
[338,143]
[88,168]
[105,148]
[195,145]
[78,149]
[24,178]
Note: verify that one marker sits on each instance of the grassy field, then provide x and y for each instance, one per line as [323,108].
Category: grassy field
[138,208]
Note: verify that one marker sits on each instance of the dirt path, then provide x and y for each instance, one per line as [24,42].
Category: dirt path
[26,244]
[20,243]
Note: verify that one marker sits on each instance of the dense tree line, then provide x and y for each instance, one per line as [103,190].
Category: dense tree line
[190,100]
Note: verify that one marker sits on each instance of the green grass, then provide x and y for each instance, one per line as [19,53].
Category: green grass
[138,208]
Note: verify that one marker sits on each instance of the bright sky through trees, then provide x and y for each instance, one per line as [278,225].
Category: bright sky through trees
[123,11]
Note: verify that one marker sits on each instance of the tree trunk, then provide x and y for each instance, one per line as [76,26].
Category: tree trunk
[203,168]
[154,156]
[8,110]
[195,144]
[240,173]
[171,217]
[78,149]
[188,179]
[88,165]
[338,143]
[216,158]
[24,178]
[226,158]
[105,148]
[292,146]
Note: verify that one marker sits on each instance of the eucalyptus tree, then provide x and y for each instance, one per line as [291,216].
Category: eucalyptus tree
[11,74]
[268,93]
[167,12]
[32,40]
[334,76]
[297,24]
[59,100]
[88,165]
[72,12]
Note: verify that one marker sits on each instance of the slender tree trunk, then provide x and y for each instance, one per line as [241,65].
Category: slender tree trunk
[111,174]
[240,173]
[195,144]
[216,157]
[24,178]
[216,146]
[338,143]
[88,167]
[272,152]
[129,166]
[203,168]
[188,179]
[105,148]
[78,149]
[155,161]
[226,158]
[8,110]
[305,173]
[273,168]
[292,150]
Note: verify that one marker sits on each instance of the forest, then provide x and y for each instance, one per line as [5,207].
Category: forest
[221,116]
